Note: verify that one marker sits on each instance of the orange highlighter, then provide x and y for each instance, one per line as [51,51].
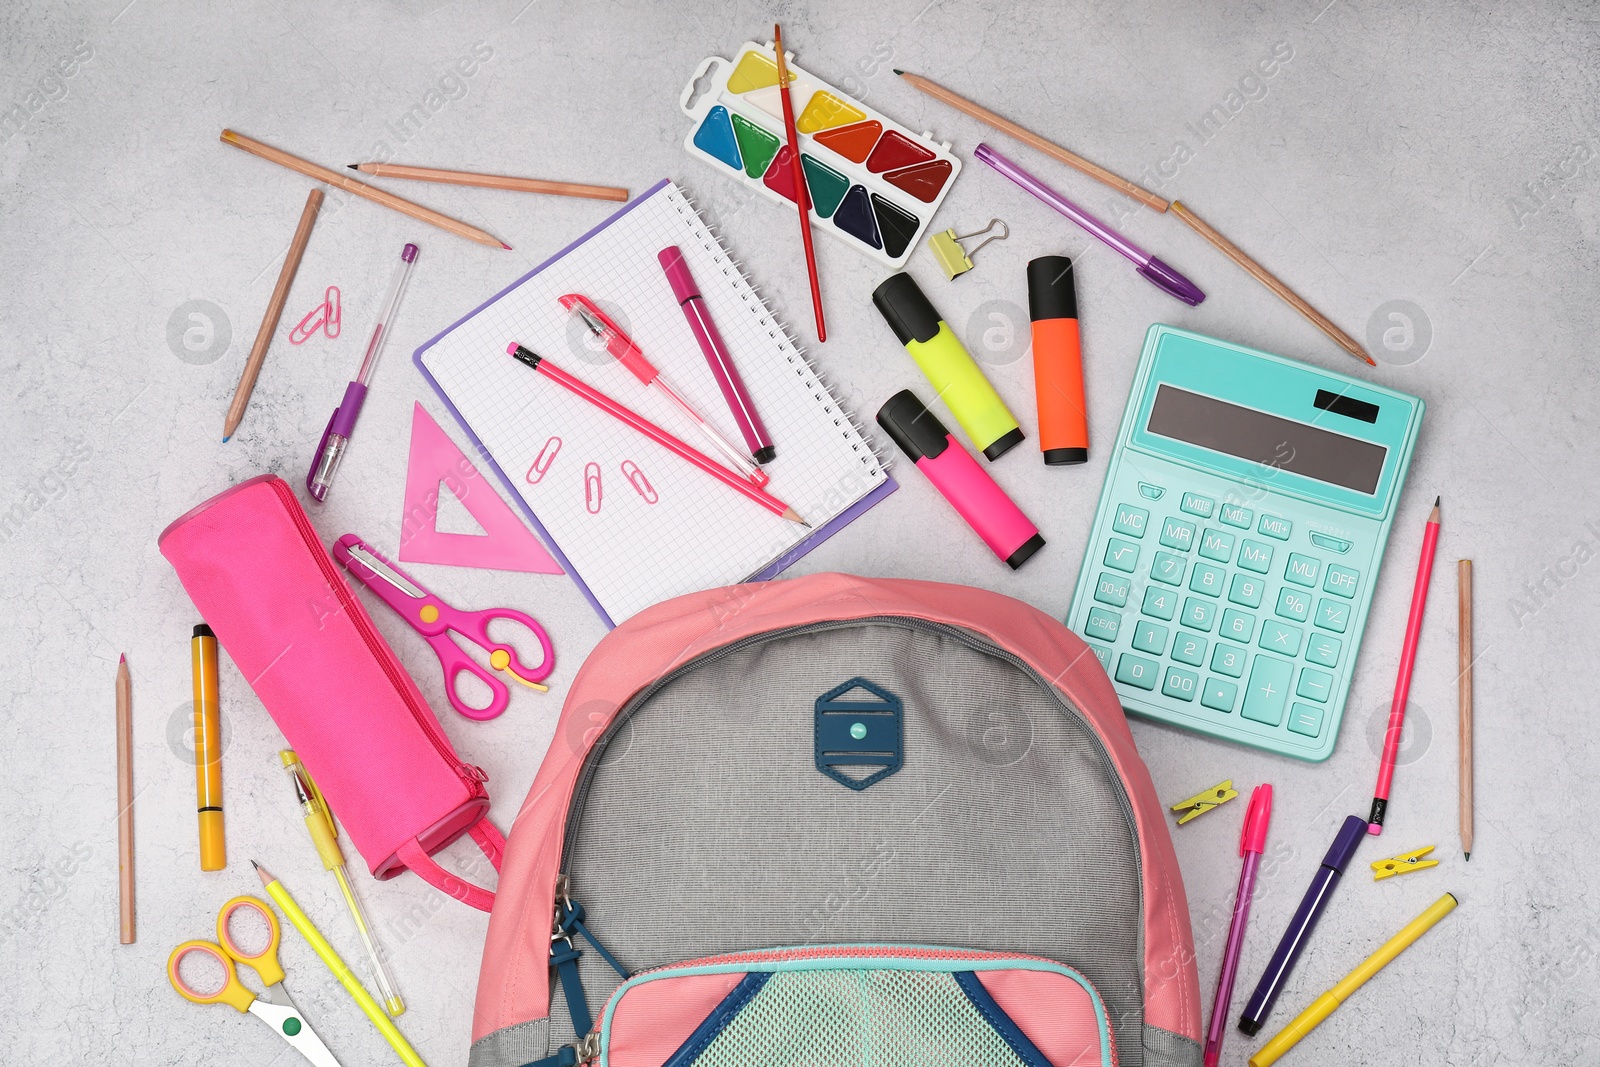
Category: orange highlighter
[207,748]
[1057,361]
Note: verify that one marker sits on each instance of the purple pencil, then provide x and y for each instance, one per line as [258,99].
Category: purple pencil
[1252,842]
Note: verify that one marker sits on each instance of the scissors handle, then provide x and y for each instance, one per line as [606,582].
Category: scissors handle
[265,963]
[456,663]
[503,659]
[233,993]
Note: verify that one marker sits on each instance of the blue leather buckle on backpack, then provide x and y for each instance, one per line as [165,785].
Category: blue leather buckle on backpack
[860,736]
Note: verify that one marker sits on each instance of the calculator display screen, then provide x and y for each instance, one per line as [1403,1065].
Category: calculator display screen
[1266,439]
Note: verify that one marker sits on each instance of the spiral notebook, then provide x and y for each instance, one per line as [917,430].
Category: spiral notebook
[633,523]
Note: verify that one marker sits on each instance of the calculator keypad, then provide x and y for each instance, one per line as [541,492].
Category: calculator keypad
[1263,610]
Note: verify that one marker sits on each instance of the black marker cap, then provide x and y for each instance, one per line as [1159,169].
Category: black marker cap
[1063,457]
[906,309]
[915,430]
[1003,444]
[202,630]
[1052,294]
[1025,551]
[765,454]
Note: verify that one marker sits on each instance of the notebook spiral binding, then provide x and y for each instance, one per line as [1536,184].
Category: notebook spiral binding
[877,453]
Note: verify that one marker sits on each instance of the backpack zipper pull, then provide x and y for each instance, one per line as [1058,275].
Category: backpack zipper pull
[588,1048]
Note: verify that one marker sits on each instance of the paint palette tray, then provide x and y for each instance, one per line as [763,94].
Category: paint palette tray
[874,184]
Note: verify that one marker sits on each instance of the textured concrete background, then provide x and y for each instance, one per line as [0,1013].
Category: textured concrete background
[1445,157]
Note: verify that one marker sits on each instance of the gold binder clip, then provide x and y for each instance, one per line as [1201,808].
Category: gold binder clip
[1201,803]
[1404,863]
[953,259]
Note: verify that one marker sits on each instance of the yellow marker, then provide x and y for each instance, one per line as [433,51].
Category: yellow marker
[352,985]
[208,749]
[1324,1005]
[325,835]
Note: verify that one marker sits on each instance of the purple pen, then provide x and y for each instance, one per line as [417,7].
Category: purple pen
[1252,842]
[1155,272]
[336,438]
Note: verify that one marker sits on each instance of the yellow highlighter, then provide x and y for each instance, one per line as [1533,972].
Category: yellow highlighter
[1324,1005]
[208,748]
[325,835]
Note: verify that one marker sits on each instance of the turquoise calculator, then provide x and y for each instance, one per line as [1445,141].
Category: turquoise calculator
[1238,537]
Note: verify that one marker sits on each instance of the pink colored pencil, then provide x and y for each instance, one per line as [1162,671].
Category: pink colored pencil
[1402,685]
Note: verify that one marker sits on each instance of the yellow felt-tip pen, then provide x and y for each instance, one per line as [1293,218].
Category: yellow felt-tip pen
[352,985]
[325,835]
[207,748]
[1324,1005]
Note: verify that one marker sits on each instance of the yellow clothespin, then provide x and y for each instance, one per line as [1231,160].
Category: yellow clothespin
[1201,803]
[953,259]
[1404,863]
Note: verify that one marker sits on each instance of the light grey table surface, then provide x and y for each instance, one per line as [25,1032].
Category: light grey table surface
[1440,155]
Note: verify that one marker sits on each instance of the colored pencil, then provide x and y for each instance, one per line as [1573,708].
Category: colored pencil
[361,189]
[1464,697]
[651,430]
[1402,684]
[125,906]
[1266,278]
[802,195]
[489,181]
[269,321]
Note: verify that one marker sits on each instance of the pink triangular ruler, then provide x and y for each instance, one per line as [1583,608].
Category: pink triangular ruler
[436,465]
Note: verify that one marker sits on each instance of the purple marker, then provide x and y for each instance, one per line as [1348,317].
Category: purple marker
[1252,842]
[336,438]
[1155,272]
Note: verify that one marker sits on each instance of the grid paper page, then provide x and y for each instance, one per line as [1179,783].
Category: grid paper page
[594,499]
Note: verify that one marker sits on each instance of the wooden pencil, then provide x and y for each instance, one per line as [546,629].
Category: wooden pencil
[1464,696]
[1262,275]
[489,181]
[361,189]
[125,801]
[269,322]
[1028,137]
[802,195]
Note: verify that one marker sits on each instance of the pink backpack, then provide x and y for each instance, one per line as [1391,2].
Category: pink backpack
[837,820]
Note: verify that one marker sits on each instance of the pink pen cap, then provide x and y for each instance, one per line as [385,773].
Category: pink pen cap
[1253,838]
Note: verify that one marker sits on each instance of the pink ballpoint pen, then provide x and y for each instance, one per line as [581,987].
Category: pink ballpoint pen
[1252,842]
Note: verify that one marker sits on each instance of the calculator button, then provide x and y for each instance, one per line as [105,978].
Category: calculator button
[1225,659]
[1214,544]
[1333,615]
[1292,603]
[1305,719]
[1237,626]
[1255,556]
[1180,684]
[1151,492]
[1246,590]
[1332,544]
[1276,637]
[1219,695]
[1121,555]
[1206,579]
[1112,589]
[1160,603]
[1168,568]
[1175,533]
[1136,670]
[1103,654]
[1322,649]
[1103,624]
[1130,520]
[1314,685]
[1340,581]
[1302,570]
[1190,649]
[1275,526]
[1195,504]
[1267,691]
[1148,637]
[1200,614]
[1234,515]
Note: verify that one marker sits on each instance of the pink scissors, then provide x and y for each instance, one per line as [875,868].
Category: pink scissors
[434,619]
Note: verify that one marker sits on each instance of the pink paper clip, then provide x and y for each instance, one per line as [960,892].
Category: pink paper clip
[591,488]
[641,484]
[543,461]
[330,301]
[309,325]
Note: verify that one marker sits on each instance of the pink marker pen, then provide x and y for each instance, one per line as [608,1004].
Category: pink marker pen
[953,471]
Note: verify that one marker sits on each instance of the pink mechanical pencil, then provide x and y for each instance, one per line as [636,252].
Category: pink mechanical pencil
[1252,842]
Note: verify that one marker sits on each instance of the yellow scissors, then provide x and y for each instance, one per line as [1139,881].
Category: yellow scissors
[273,1006]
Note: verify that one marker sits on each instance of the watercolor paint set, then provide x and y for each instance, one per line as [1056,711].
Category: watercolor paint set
[874,184]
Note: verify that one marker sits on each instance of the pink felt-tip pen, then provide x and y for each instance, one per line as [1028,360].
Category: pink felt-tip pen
[630,356]
[722,366]
[1252,842]
[336,438]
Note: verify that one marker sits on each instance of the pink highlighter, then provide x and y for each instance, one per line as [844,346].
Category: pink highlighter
[952,470]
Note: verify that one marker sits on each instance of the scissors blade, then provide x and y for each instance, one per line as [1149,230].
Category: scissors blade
[293,1028]
[382,569]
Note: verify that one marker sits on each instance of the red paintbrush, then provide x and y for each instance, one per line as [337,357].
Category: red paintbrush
[802,196]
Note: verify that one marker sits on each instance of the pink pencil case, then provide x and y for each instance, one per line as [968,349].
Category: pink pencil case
[261,578]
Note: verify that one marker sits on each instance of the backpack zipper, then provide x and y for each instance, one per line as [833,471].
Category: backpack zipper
[473,777]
